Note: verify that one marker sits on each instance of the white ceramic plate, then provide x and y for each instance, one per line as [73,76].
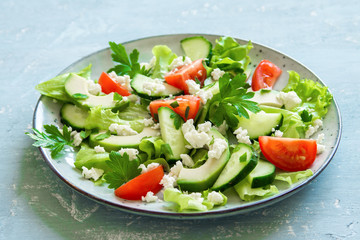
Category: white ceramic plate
[47,112]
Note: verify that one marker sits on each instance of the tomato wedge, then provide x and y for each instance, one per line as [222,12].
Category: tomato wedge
[190,102]
[289,154]
[265,75]
[178,77]
[139,186]
[108,85]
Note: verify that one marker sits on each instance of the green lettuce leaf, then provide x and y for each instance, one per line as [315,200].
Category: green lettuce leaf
[102,119]
[89,158]
[315,97]
[183,201]
[247,193]
[55,87]
[229,55]
[134,112]
[293,177]
[164,56]
[155,148]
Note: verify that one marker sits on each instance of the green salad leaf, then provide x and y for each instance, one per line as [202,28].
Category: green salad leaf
[247,193]
[155,148]
[55,87]
[164,56]
[123,169]
[89,158]
[293,177]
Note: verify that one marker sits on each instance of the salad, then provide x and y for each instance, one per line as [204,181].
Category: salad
[186,129]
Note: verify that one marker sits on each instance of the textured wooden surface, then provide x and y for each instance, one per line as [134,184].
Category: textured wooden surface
[40,38]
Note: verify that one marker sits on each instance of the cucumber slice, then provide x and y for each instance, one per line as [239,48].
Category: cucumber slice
[73,116]
[242,161]
[203,177]
[262,175]
[268,98]
[196,47]
[115,143]
[139,81]
[260,124]
[78,85]
[174,137]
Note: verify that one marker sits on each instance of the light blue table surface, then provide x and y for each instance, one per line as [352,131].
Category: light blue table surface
[40,38]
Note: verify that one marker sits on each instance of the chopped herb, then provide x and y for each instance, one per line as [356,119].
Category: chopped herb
[85,134]
[80,96]
[174,104]
[177,119]
[187,112]
[212,141]
[262,91]
[243,158]
[123,169]
[117,97]
[197,81]
[103,136]
[305,116]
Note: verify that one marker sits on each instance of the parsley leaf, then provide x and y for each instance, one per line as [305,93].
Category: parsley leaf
[174,104]
[177,120]
[305,116]
[123,169]
[243,158]
[117,97]
[52,138]
[103,136]
[232,101]
[127,65]
[80,96]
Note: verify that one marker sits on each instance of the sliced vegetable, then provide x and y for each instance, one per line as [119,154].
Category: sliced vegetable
[108,85]
[289,154]
[140,185]
[247,193]
[196,47]
[188,106]
[265,75]
[179,76]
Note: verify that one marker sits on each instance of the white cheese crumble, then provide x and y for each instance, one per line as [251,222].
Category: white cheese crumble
[313,128]
[132,152]
[187,160]
[99,149]
[94,173]
[320,147]
[76,136]
[148,65]
[175,170]
[148,122]
[216,74]
[204,95]
[149,167]
[204,127]
[242,135]
[122,130]
[168,181]
[123,80]
[215,197]
[196,196]
[153,87]
[195,138]
[278,133]
[178,62]
[93,88]
[290,99]
[156,126]
[150,197]
[194,89]
[217,148]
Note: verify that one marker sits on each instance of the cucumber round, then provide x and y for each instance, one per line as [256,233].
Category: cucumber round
[242,161]
[262,175]
[196,47]
[73,116]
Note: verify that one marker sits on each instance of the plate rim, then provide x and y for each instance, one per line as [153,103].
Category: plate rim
[243,208]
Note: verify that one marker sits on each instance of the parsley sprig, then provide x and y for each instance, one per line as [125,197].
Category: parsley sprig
[123,169]
[232,101]
[52,138]
[127,65]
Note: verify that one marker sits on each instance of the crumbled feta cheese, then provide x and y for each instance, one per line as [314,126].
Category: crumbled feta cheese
[153,87]
[134,98]
[320,138]
[148,122]
[123,80]
[187,160]
[76,137]
[149,167]
[289,99]
[204,95]
[242,135]
[215,197]
[178,62]
[156,126]
[132,152]
[320,147]
[313,128]
[99,149]
[195,138]
[93,88]
[204,127]
[168,181]
[193,87]
[278,133]
[122,130]
[150,197]
[149,65]
[217,148]
[175,170]
[216,74]
[196,196]
[223,128]
[94,173]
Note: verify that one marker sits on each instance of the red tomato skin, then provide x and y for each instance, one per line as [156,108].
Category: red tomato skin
[185,100]
[108,85]
[265,75]
[289,154]
[140,185]
[178,77]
